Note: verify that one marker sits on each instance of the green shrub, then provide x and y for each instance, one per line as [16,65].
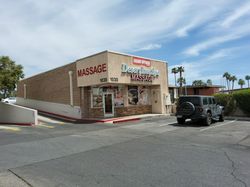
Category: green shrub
[242,99]
[226,100]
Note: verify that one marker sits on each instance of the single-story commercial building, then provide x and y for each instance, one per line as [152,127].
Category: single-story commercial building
[107,84]
[203,89]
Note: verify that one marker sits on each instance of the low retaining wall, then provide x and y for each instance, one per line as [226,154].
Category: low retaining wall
[62,110]
[18,115]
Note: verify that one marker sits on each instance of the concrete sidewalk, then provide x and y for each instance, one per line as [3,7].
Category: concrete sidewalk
[56,119]
[132,118]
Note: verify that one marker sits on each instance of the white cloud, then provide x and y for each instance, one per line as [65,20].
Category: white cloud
[197,70]
[230,35]
[149,47]
[45,34]
[238,13]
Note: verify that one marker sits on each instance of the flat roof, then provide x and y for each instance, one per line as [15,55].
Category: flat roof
[119,53]
[205,86]
[106,51]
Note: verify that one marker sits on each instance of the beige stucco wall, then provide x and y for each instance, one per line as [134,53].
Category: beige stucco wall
[114,75]
[92,61]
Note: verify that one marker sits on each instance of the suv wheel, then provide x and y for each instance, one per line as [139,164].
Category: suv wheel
[180,121]
[221,119]
[208,119]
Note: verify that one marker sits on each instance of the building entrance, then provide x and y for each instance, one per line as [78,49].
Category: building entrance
[108,104]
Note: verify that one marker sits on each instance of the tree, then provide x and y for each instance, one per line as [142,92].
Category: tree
[233,79]
[181,81]
[227,76]
[10,74]
[247,79]
[241,82]
[181,70]
[198,83]
[209,82]
[175,71]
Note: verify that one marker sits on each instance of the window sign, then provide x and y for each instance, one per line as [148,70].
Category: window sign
[132,95]
[97,97]
[118,96]
[143,95]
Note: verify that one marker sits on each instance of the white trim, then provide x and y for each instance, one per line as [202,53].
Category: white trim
[24,91]
[71,88]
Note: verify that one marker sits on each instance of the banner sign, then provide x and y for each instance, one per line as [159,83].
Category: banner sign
[141,61]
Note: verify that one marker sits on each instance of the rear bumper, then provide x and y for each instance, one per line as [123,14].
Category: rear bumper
[192,117]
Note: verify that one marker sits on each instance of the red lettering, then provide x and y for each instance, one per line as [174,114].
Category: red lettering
[79,73]
[92,70]
[104,68]
[83,72]
[99,68]
[87,71]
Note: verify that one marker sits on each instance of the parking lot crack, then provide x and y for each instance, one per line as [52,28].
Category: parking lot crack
[234,169]
[18,176]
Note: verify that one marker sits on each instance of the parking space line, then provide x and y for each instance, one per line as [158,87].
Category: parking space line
[43,125]
[167,124]
[217,125]
[9,128]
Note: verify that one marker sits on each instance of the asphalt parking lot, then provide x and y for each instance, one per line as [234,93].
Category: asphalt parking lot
[153,152]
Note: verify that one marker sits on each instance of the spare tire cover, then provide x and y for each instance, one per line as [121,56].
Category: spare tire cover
[187,108]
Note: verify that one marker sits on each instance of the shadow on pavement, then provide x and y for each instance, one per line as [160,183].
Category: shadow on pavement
[188,124]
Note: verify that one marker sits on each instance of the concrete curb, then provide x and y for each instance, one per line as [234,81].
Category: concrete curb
[237,118]
[18,124]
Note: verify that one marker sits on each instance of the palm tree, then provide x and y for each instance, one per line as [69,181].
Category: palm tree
[233,79]
[241,82]
[174,71]
[181,70]
[181,80]
[209,82]
[247,79]
[227,76]
[198,83]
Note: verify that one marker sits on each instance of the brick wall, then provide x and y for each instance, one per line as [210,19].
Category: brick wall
[202,91]
[51,86]
[133,110]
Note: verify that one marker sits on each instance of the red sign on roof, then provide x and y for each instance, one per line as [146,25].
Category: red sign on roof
[141,61]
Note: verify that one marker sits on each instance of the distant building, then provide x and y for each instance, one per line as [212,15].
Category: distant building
[203,90]
[173,92]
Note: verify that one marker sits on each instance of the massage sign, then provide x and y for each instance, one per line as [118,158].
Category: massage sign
[140,74]
[92,70]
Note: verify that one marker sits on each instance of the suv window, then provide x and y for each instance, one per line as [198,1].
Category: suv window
[205,102]
[194,100]
[210,100]
[213,100]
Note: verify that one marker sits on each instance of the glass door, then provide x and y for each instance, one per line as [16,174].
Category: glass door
[108,104]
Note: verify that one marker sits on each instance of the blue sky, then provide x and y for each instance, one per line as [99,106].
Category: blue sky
[208,38]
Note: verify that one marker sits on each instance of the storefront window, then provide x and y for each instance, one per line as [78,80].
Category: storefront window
[132,95]
[143,93]
[118,96]
[138,95]
[97,97]
[97,93]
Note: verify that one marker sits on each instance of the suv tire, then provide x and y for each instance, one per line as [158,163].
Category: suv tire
[208,119]
[181,121]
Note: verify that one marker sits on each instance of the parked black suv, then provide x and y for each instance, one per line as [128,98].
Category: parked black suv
[202,108]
